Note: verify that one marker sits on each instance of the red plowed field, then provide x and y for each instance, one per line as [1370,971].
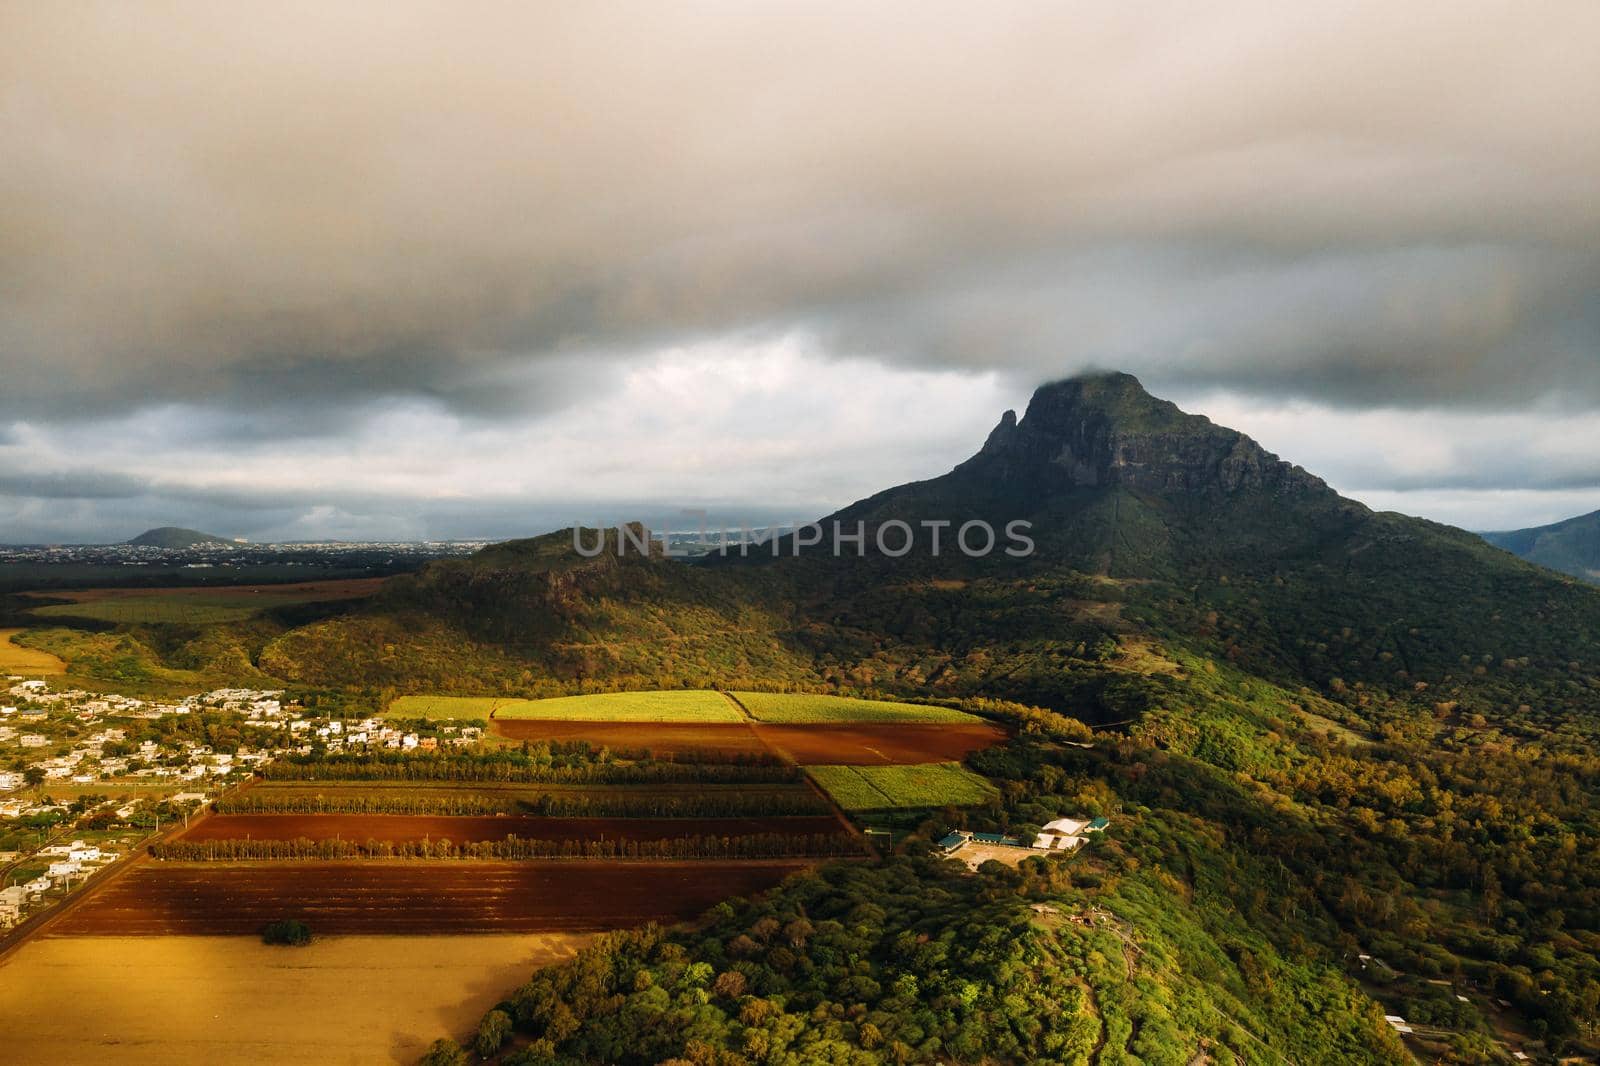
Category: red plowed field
[660,737]
[872,745]
[462,830]
[159,899]
[809,745]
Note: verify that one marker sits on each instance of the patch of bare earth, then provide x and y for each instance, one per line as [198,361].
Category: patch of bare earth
[180,1000]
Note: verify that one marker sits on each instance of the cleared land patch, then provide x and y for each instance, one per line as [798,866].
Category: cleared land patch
[197,606]
[28,662]
[882,788]
[413,897]
[792,708]
[141,1001]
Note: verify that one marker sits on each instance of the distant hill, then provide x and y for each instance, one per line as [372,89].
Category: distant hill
[176,537]
[1153,527]
[1572,546]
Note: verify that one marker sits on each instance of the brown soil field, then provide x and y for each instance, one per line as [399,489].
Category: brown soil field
[401,827]
[176,1001]
[530,791]
[412,897]
[808,745]
[659,737]
[29,662]
[301,592]
[870,745]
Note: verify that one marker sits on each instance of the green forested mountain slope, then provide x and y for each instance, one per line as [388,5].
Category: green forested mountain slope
[1571,546]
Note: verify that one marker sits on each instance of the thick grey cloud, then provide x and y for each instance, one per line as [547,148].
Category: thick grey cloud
[327,202]
[233,236]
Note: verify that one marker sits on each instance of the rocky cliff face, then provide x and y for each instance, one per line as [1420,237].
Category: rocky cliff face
[1104,430]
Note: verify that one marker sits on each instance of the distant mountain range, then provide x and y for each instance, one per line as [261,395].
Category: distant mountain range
[1571,546]
[176,537]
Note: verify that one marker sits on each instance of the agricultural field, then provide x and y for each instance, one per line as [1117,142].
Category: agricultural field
[663,800]
[880,788]
[144,1001]
[209,605]
[790,708]
[806,745]
[412,897]
[673,705]
[396,828]
[26,662]
[662,738]
[447,708]
[878,745]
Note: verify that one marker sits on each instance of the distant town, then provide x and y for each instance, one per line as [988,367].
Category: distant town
[234,553]
[86,777]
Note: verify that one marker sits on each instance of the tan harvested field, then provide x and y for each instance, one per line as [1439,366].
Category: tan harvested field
[187,1001]
[461,830]
[413,897]
[808,745]
[27,662]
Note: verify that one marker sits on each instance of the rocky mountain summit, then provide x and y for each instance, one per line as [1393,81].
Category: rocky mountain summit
[1105,429]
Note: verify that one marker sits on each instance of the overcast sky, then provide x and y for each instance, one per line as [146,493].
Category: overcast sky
[404,270]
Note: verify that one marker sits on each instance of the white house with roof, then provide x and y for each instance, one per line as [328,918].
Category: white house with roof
[11,901]
[1068,834]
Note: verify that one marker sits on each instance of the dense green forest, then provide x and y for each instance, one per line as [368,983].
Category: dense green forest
[1257,851]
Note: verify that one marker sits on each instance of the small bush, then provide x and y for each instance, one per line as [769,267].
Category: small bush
[290,932]
[444,1052]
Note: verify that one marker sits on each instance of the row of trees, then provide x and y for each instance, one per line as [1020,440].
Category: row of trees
[745,846]
[713,804]
[475,766]
[441,802]
[657,805]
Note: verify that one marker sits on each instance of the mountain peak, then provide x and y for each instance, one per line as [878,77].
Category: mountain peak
[174,537]
[1105,429]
